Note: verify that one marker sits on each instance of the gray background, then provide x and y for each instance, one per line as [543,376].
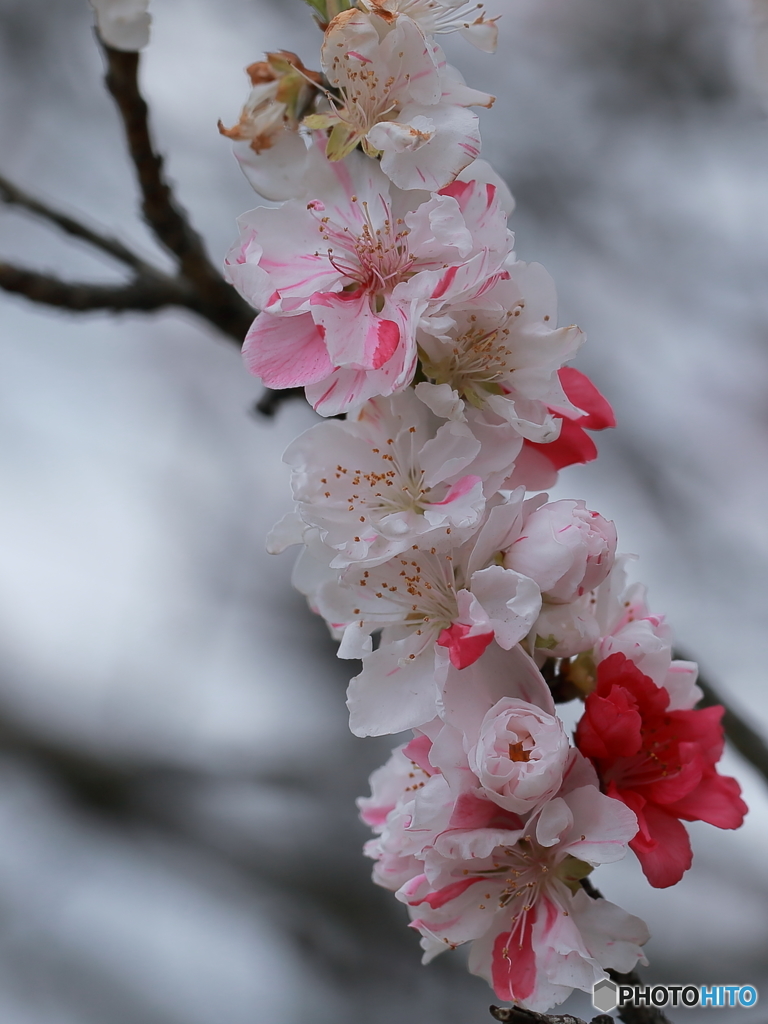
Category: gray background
[209,872]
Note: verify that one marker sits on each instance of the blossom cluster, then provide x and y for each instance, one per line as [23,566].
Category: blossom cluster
[388,288]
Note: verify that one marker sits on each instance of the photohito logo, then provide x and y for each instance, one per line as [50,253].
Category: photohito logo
[607,995]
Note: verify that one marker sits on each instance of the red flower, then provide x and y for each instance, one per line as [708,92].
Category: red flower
[659,763]
[574,445]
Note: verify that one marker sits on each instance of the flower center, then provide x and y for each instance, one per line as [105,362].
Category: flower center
[377,257]
[477,363]
[397,486]
[660,759]
[422,584]
[518,753]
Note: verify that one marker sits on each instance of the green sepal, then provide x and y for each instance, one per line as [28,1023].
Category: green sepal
[320,121]
[571,870]
[341,142]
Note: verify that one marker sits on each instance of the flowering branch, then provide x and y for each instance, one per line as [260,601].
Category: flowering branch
[388,288]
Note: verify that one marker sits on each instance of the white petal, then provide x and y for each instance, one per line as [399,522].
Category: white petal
[512,602]
[612,936]
[288,531]
[455,142]
[393,692]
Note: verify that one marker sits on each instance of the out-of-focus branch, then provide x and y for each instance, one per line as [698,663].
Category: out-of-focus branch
[216,300]
[14,196]
[144,294]
[198,286]
[749,743]
[517,1015]
[271,400]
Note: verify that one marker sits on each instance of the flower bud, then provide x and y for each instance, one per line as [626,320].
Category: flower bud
[520,755]
[565,548]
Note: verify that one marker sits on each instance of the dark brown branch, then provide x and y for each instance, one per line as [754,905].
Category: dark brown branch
[216,300]
[14,196]
[517,1015]
[144,294]
[271,400]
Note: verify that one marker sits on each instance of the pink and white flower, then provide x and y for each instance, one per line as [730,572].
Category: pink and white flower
[566,548]
[343,280]
[502,357]
[501,739]
[628,627]
[520,755]
[536,935]
[569,551]
[395,788]
[396,466]
[400,100]
[424,601]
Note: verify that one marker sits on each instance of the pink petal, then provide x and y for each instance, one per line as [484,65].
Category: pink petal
[358,338]
[464,648]
[447,893]
[513,966]
[286,351]
[459,489]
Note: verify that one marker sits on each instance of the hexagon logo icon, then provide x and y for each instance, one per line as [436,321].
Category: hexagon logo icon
[605,996]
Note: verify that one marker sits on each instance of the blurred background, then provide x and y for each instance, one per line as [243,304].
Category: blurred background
[178,837]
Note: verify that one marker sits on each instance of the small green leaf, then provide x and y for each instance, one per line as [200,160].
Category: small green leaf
[320,121]
[571,870]
[335,7]
[327,10]
[319,6]
[341,142]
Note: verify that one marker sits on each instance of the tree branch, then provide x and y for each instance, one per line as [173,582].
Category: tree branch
[14,196]
[217,301]
[143,294]
[271,400]
[198,287]
[517,1015]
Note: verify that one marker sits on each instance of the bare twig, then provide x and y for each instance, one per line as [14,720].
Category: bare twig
[14,196]
[145,293]
[517,1015]
[198,287]
[216,300]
